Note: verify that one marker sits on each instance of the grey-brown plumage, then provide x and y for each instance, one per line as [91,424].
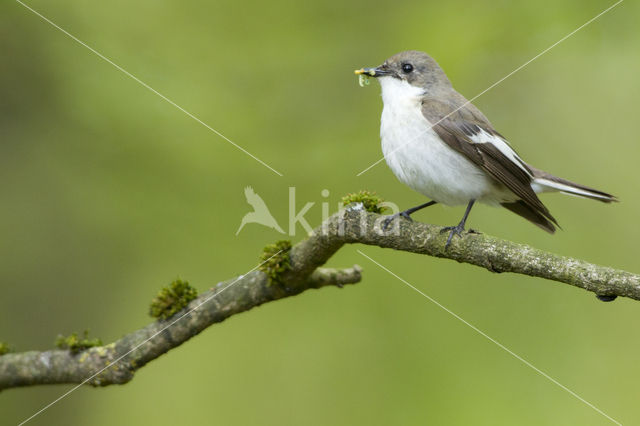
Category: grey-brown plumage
[456,127]
[422,111]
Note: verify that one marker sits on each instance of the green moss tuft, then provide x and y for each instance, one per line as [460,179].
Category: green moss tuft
[172,299]
[4,348]
[370,200]
[275,259]
[76,344]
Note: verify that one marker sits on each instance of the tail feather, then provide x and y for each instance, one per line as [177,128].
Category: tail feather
[548,182]
[526,211]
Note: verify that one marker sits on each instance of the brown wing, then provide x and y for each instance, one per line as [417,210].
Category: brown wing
[456,127]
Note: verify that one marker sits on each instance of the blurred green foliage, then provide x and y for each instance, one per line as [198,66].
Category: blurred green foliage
[108,190]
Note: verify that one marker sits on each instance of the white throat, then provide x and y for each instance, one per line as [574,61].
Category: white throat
[396,92]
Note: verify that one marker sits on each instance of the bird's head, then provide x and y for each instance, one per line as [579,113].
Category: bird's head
[410,67]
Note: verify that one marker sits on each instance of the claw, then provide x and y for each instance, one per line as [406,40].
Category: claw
[406,214]
[457,230]
[387,221]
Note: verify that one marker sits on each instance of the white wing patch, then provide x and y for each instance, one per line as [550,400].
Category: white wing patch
[483,137]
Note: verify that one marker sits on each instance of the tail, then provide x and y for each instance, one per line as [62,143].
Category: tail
[546,182]
[532,215]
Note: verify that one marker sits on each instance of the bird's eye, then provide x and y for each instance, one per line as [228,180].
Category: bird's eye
[407,68]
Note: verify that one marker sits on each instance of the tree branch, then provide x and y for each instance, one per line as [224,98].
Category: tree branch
[117,362]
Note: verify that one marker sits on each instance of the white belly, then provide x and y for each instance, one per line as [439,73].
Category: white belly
[418,157]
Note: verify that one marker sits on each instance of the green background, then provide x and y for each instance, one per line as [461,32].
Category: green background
[108,193]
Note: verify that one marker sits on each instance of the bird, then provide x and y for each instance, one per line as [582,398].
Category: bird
[260,213]
[443,147]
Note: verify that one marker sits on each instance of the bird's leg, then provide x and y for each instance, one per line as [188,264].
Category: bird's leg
[406,214]
[459,227]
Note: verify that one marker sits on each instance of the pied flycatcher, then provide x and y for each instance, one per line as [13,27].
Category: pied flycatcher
[443,147]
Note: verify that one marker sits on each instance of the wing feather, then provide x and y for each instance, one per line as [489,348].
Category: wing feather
[458,128]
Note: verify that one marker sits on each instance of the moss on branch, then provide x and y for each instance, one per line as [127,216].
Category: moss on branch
[4,348]
[370,201]
[275,260]
[172,299]
[75,344]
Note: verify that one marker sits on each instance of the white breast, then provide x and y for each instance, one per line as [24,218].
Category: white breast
[418,157]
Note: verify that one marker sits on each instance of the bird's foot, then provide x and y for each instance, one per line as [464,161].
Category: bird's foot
[387,221]
[457,230]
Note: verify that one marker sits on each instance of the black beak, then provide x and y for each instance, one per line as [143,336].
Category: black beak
[372,72]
